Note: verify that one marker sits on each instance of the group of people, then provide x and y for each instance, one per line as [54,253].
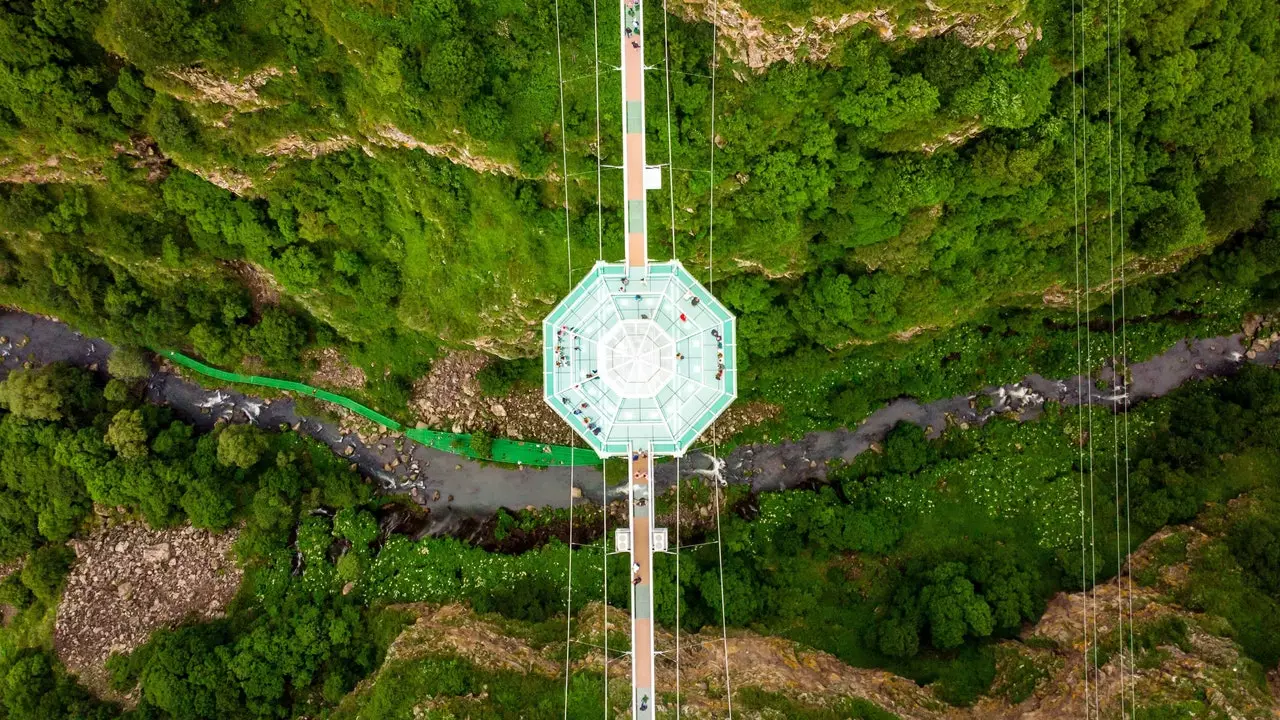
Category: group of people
[640,475]
[636,457]
[586,419]
[633,21]
[562,355]
[719,355]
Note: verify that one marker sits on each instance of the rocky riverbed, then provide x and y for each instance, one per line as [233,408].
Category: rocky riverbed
[457,490]
[781,465]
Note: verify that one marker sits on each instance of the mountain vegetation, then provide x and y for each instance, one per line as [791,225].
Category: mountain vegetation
[916,215]
[394,176]
[915,558]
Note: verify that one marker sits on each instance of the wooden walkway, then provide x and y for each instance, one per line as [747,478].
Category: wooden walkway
[635,218]
[633,159]
[642,658]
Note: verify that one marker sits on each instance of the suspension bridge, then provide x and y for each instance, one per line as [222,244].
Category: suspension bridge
[639,359]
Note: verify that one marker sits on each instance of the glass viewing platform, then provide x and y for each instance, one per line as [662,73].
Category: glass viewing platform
[639,356]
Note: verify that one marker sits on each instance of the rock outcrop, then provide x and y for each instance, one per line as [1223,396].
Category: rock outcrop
[1041,675]
[758,42]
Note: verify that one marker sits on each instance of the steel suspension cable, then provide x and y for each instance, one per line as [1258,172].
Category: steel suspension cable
[1115,361]
[671,194]
[604,564]
[724,626]
[564,147]
[1092,592]
[595,24]
[568,247]
[1124,351]
[711,285]
[604,466]
[711,223]
[1080,422]
[568,603]
[679,591]
[671,182]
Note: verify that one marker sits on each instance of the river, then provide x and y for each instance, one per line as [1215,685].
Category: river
[458,490]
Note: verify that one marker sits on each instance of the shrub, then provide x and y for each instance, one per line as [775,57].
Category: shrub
[128,364]
[45,570]
[127,434]
[500,377]
[51,392]
[242,446]
[482,444]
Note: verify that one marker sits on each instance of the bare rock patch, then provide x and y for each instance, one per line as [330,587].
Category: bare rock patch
[239,93]
[333,370]
[130,580]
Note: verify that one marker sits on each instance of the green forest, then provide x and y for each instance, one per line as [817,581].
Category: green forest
[897,214]
[913,559]
[845,218]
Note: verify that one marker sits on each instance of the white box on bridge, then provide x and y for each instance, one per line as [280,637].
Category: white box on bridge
[653,177]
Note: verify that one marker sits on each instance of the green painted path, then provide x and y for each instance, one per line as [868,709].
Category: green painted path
[514,452]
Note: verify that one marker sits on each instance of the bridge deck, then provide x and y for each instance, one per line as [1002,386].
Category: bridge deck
[633,160]
[642,663]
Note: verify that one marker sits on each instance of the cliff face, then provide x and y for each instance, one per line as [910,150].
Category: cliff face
[759,42]
[1183,660]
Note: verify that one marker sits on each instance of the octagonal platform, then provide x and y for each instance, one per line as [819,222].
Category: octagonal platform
[640,356]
